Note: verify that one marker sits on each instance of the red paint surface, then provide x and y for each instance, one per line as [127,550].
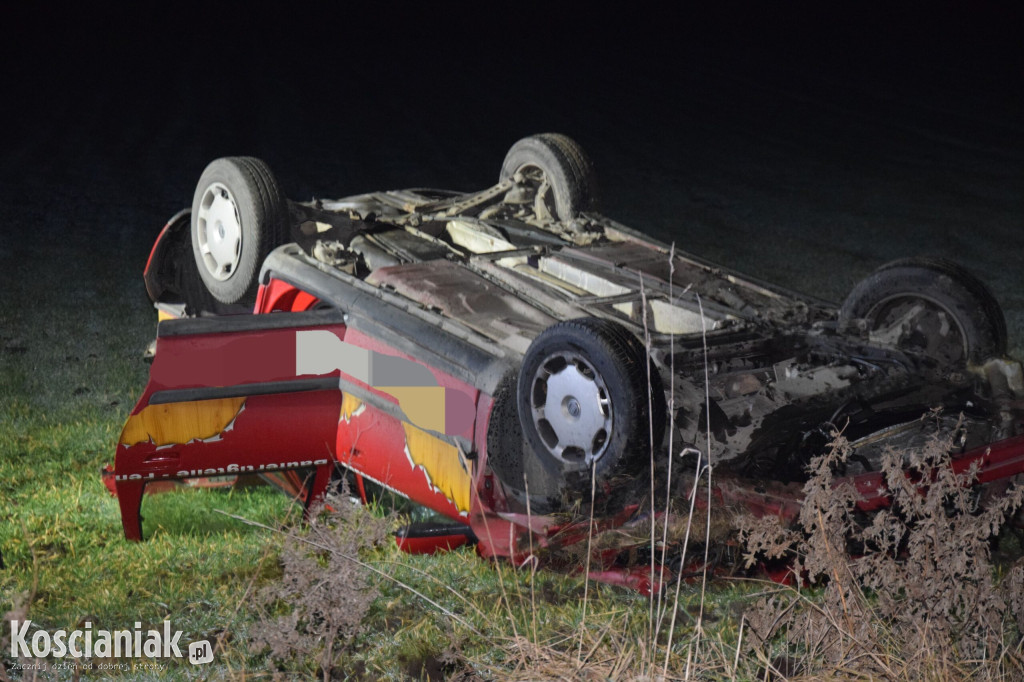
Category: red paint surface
[277,296]
[279,430]
[271,433]
[372,443]
[431,545]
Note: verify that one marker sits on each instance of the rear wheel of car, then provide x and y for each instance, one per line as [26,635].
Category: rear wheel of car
[239,215]
[584,410]
[930,307]
[557,164]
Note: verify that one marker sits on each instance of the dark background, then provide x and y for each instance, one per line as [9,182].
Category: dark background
[805,146]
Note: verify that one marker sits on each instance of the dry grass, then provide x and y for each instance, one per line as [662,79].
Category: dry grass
[908,593]
[919,599]
[317,607]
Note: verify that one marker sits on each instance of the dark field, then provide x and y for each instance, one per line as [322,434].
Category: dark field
[805,150]
[803,154]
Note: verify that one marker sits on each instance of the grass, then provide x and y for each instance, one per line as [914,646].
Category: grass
[62,543]
[503,623]
[70,370]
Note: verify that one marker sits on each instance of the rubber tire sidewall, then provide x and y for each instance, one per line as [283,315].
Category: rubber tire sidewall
[262,212]
[622,362]
[942,283]
[566,166]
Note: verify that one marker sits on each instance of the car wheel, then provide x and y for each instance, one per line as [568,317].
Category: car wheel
[928,306]
[583,407]
[239,215]
[562,164]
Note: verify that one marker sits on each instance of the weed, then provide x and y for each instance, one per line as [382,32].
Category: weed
[318,605]
[919,595]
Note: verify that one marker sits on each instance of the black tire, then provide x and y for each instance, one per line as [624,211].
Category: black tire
[239,215]
[564,165]
[929,306]
[597,373]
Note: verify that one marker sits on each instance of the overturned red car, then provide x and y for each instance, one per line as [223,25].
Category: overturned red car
[508,356]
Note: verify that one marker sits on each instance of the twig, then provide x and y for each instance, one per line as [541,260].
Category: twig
[650,439]
[533,563]
[682,562]
[739,645]
[707,531]
[586,570]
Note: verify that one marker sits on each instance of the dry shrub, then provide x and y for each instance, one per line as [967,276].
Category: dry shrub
[318,605]
[908,592]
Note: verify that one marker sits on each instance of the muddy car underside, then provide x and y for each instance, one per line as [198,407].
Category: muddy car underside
[578,350]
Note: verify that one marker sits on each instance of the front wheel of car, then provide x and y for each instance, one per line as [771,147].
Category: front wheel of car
[589,408]
[558,169]
[930,307]
[239,215]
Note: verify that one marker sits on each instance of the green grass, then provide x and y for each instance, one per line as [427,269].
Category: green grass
[62,541]
[70,371]
[71,368]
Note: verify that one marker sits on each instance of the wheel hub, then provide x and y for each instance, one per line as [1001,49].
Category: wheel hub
[572,409]
[918,325]
[219,232]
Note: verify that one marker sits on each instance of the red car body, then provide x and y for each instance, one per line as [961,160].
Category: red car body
[395,358]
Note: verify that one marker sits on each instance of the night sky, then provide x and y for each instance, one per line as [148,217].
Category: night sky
[804,146]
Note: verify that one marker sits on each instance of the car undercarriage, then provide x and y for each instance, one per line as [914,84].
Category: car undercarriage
[510,356]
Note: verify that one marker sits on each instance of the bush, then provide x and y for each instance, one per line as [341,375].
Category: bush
[908,592]
[325,591]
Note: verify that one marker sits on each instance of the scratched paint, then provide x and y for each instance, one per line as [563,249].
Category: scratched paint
[443,465]
[350,407]
[445,468]
[183,422]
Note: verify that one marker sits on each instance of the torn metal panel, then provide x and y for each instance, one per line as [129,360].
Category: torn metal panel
[176,423]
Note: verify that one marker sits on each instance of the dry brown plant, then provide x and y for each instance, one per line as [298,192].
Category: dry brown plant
[908,593]
[319,604]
